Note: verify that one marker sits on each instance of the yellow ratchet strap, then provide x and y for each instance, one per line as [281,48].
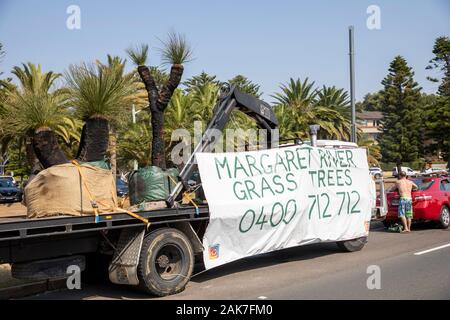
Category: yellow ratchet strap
[94,203]
[188,197]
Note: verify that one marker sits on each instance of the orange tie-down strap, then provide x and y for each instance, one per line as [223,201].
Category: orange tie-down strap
[106,208]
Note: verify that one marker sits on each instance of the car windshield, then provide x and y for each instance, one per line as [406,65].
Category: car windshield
[6,183]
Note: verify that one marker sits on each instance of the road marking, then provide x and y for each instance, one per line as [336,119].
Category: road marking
[432,249]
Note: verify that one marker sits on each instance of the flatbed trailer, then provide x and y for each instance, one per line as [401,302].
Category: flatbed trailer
[41,249]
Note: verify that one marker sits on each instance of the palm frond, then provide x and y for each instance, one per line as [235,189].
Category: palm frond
[35,103]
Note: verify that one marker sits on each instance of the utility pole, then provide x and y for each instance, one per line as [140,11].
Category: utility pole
[352,83]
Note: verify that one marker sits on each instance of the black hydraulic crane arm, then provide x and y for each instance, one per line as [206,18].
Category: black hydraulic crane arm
[230,100]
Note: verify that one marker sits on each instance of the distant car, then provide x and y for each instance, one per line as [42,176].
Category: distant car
[9,191]
[430,203]
[121,187]
[434,171]
[376,172]
[409,172]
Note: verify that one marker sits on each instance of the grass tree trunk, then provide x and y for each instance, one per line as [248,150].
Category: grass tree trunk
[158,101]
[94,140]
[113,151]
[32,160]
[46,147]
[158,143]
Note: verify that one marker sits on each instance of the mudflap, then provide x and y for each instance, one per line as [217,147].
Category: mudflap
[123,267]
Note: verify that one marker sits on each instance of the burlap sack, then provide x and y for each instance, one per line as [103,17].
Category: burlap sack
[59,190]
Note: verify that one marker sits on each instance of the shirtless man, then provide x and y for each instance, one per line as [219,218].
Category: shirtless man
[405,209]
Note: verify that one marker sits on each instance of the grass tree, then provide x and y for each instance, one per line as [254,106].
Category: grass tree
[34,110]
[175,52]
[99,93]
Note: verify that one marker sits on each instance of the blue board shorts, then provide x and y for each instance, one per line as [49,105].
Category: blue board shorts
[405,208]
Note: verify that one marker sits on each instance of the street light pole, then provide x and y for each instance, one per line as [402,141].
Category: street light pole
[352,83]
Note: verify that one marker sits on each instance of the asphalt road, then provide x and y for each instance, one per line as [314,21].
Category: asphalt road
[320,271]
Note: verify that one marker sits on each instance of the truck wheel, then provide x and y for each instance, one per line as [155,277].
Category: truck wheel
[166,262]
[352,245]
[444,218]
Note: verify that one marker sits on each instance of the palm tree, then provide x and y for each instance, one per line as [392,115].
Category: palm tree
[99,92]
[175,51]
[133,145]
[336,99]
[300,105]
[204,99]
[295,104]
[69,133]
[34,110]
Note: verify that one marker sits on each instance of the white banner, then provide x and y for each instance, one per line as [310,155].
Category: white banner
[268,200]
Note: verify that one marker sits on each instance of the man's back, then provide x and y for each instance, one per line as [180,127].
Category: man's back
[404,187]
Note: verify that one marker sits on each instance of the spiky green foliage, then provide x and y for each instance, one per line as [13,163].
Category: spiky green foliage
[100,90]
[35,103]
[371,102]
[134,144]
[159,76]
[245,85]
[335,99]
[437,114]
[199,81]
[175,49]
[300,104]
[441,62]
[138,54]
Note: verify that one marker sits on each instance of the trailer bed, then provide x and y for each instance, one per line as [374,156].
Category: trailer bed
[21,228]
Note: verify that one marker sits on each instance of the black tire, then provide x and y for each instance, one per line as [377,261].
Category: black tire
[444,217]
[352,245]
[166,262]
[46,269]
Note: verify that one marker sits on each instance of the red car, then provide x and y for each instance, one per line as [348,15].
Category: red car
[431,202]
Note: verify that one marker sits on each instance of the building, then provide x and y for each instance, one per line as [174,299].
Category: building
[369,122]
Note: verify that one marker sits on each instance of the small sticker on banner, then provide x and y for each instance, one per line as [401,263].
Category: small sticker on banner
[214,252]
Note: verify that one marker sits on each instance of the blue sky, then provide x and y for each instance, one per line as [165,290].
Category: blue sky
[267,41]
